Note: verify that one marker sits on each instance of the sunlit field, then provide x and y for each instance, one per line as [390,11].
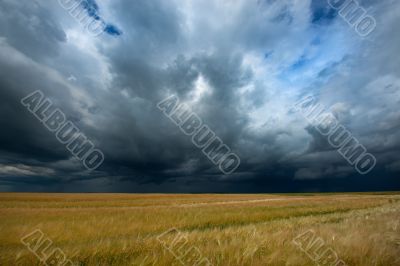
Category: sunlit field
[140,229]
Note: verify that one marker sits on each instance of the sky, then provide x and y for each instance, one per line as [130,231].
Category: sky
[239,65]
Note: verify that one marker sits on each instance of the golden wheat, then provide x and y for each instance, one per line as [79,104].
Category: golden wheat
[122,229]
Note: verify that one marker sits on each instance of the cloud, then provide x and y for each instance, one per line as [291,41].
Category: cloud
[239,65]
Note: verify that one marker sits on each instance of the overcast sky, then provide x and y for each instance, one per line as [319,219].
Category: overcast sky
[240,65]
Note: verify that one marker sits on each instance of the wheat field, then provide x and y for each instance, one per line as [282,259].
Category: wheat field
[215,229]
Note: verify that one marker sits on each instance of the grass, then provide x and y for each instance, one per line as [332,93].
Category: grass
[122,229]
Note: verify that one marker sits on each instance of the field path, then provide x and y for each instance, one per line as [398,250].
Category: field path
[213,203]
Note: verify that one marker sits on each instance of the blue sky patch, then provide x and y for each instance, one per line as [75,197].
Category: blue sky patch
[92,8]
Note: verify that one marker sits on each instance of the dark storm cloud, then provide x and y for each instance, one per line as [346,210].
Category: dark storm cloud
[211,54]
